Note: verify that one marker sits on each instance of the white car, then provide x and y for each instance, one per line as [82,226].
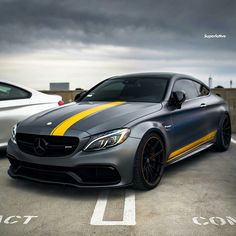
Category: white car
[18,102]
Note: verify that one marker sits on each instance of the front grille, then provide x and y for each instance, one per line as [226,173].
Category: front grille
[45,145]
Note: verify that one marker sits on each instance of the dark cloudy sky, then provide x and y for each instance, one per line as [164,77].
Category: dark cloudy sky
[83,42]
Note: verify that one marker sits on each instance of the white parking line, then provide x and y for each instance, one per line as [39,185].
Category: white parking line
[128,214]
[233,141]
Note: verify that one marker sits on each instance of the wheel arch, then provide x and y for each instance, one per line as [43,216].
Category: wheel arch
[225,113]
[228,114]
[142,129]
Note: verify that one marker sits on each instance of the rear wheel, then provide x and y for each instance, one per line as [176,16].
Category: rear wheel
[223,137]
[149,162]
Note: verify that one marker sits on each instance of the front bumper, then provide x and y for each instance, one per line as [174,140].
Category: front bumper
[112,167]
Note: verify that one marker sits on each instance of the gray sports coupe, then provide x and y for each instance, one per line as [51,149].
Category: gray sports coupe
[124,131]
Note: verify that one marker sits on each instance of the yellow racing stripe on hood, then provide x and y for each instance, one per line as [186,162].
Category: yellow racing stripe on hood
[61,129]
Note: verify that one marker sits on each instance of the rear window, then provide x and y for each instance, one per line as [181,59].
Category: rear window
[10,92]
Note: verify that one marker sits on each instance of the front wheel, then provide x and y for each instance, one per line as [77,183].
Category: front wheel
[149,162]
[223,137]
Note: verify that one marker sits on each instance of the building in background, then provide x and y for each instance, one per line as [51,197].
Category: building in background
[59,86]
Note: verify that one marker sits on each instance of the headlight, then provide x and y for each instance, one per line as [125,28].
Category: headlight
[13,133]
[107,140]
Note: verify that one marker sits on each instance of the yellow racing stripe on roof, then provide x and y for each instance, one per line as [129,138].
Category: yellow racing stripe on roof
[61,129]
[192,145]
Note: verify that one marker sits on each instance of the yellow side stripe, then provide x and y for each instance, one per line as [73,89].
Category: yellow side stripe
[61,129]
[193,145]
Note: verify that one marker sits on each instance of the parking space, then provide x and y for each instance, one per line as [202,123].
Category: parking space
[197,196]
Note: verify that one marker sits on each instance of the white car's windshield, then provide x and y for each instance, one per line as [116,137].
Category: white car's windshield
[129,90]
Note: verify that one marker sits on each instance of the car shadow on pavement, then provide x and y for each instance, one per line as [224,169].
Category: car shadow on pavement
[53,190]
[204,156]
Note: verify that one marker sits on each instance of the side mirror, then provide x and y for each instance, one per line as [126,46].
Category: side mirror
[79,96]
[177,99]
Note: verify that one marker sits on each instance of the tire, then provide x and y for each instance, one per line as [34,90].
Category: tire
[223,137]
[149,162]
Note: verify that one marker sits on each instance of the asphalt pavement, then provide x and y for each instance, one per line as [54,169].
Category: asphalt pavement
[196,196]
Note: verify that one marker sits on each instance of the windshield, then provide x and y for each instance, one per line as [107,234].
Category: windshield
[129,90]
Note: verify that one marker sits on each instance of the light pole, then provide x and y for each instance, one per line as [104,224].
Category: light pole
[210,82]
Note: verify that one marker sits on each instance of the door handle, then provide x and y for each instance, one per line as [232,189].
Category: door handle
[203,105]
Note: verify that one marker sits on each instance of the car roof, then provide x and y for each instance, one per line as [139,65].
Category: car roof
[144,74]
[167,75]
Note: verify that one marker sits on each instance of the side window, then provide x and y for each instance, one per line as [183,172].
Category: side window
[9,92]
[201,89]
[187,86]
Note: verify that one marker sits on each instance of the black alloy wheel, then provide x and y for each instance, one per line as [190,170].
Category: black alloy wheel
[150,162]
[226,132]
[223,137]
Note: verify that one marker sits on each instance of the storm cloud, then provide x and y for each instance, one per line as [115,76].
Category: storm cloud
[127,36]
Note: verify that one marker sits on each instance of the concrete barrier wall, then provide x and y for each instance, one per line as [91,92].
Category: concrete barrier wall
[228,94]
[67,96]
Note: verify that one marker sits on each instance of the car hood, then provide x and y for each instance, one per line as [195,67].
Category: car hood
[89,117]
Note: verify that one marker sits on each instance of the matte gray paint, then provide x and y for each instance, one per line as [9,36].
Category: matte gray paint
[178,127]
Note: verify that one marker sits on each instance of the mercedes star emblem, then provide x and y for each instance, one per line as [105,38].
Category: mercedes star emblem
[40,146]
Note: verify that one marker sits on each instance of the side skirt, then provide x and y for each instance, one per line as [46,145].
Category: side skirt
[190,153]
